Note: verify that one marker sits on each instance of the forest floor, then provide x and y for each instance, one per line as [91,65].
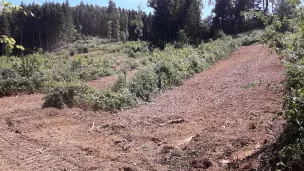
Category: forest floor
[219,119]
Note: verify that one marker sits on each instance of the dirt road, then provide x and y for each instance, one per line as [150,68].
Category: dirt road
[225,114]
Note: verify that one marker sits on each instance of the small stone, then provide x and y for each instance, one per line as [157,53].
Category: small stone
[225,161]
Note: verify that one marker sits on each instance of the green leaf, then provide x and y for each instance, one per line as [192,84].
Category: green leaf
[7,4]
[20,47]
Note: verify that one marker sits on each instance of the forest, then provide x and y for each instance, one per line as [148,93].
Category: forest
[53,25]
[109,60]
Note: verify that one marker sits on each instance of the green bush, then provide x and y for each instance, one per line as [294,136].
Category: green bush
[219,34]
[13,86]
[109,101]
[82,49]
[72,53]
[26,66]
[288,153]
[179,45]
[61,94]
[23,76]
[134,64]
[75,94]
[85,50]
[144,84]
[121,82]
[89,69]
[168,75]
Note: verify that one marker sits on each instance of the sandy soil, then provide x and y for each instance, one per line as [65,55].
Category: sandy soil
[218,120]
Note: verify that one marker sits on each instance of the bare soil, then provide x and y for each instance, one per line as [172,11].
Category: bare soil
[218,120]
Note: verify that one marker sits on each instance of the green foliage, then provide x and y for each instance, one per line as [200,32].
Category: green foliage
[219,34]
[108,100]
[26,66]
[12,86]
[10,43]
[76,94]
[21,75]
[169,74]
[72,53]
[289,152]
[171,66]
[61,94]
[159,71]
[121,82]
[145,84]
[82,49]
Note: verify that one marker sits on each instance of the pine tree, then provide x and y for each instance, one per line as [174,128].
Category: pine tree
[5,25]
[67,26]
[109,29]
[4,30]
[193,20]
[223,15]
[162,21]
[138,24]
[117,30]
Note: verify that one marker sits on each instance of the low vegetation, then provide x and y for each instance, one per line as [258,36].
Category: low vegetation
[63,77]
[167,68]
[286,37]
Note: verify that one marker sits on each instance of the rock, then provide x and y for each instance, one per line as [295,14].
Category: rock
[128,168]
[225,161]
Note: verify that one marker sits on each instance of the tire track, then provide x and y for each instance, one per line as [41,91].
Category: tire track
[30,155]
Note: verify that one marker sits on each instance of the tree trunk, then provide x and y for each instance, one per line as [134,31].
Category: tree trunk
[266,8]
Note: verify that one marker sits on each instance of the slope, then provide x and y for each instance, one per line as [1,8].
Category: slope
[214,121]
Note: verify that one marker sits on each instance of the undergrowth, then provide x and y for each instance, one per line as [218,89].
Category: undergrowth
[288,152]
[62,76]
[167,68]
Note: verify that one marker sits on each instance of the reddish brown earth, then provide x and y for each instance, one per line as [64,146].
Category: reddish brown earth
[214,121]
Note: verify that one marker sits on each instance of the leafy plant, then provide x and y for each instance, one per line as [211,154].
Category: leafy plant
[61,94]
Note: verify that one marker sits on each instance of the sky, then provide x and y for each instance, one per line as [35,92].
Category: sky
[128,4]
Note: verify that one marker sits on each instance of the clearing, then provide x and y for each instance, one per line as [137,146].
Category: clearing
[214,121]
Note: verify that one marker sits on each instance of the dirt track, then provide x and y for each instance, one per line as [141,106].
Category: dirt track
[226,113]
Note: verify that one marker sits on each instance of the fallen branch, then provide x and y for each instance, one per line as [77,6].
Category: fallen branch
[92,127]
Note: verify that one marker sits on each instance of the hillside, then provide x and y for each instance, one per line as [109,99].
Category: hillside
[219,119]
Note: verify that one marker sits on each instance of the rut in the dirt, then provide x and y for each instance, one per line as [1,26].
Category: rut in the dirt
[225,114]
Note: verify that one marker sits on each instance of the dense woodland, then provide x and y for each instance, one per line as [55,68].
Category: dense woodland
[53,25]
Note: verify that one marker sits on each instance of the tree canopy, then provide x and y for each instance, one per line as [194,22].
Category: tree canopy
[55,25]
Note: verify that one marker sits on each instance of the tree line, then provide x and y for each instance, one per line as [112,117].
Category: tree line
[53,25]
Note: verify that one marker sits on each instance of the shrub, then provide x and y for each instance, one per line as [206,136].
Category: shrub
[219,34]
[76,94]
[179,45]
[168,75]
[12,86]
[82,49]
[61,94]
[288,154]
[26,66]
[144,84]
[72,53]
[85,50]
[7,73]
[132,54]
[121,82]
[109,101]
[24,76]
[134,64]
